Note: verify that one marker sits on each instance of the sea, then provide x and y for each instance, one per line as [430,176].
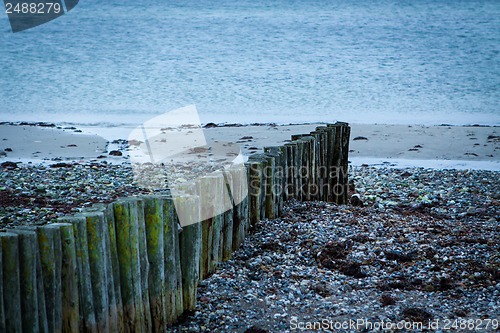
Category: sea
[244,61]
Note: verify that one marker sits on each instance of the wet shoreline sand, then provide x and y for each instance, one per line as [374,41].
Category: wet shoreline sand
[462,147]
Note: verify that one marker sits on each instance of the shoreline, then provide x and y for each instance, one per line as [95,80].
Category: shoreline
[399,146]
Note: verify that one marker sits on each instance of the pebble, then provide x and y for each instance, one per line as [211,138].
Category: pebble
[39,194]
[416,259]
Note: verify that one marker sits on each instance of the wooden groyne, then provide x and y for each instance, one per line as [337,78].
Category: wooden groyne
[134,265]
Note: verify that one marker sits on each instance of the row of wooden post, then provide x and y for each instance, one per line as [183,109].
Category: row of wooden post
[134,265]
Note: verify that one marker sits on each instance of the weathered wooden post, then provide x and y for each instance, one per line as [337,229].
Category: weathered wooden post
[335,158]
[173,275]
[143,256]
[69,279]
[318,163]
[87,319]
[321,136]
[190,248]
[303,170]
[43,326]
[240,192]
[254,181]
[309,155]
[346,132]
[216,253]
[112,268]
[284,175]
[227,235]
[206,226]
[255,188]
[270,174]
[302,166]
[261,159]
[49,245]
[28,254]
[153,215]
[291,186]
[281,174]
[226,242]
[127,242]
[12,314]
[278,181]
[98,273]
[330,162]
[214,202]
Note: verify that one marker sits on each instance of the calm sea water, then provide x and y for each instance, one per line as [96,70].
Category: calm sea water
[284,60]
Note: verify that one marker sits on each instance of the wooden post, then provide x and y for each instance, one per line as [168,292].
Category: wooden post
[270,174]
[49,245]
[214,201]
[219,200]
[240,192]
[301,166]
[97,260]
[87,319]
[227,235]
[284,175]
[226,249]
[254,180]
[346,132]
[143,259]
[115,290]
[11,287]
[226,240]
[43,326]
[321,135]
[303,170]
[318,163]
[255,189]
[112,268]
[278,179]
[127,242]
[28,253]
[69,279]
[336,159]
[291,171]
[215,255]
[206,226]
[310,155]
[190,249]
[330,162]
[153,214]
[173,276]
[261,158]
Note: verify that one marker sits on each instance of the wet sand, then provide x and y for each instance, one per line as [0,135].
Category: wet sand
[396,145]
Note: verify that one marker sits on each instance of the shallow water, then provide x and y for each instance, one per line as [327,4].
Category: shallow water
[257,61]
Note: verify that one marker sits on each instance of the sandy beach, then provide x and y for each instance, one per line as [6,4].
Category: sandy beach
[397,145]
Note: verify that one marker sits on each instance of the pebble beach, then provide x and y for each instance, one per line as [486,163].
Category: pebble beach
[413,246]
[420,246]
